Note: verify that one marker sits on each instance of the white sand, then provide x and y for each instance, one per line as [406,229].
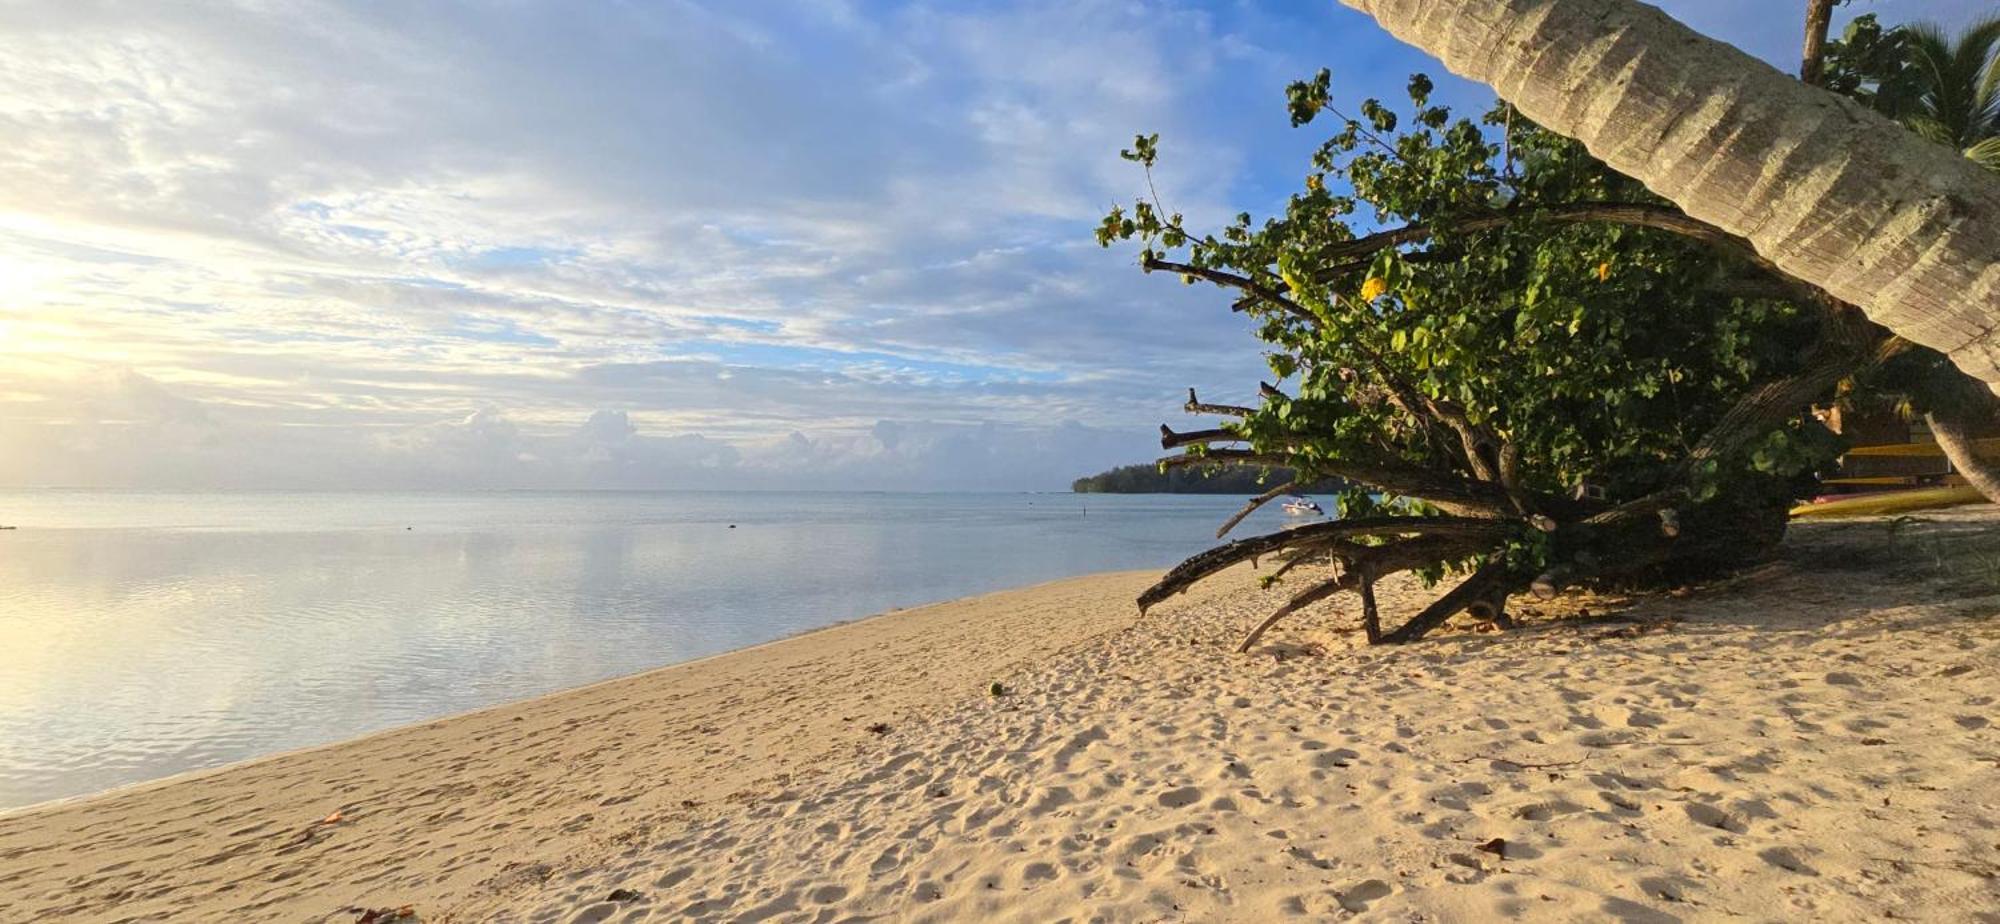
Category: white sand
[1812,742]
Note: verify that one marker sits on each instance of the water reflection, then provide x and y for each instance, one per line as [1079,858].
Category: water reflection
[146,634]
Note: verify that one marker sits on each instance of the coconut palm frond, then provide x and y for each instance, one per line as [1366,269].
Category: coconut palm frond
[1957,82]
[1986,153]
[1932,129]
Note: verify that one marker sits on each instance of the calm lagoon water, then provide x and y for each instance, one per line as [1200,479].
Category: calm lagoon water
[145,634]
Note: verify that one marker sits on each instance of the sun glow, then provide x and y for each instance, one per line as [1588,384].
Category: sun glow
[20,281]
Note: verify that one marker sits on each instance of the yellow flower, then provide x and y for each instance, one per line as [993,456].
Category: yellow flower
[1373,288]
[1314,183]
[1604,271]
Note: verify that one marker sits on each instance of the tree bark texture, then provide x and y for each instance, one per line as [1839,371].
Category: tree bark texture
[1828,191]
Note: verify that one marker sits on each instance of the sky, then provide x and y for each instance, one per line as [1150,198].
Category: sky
[650,244]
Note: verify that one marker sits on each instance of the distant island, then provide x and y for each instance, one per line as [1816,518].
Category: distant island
[1146,478]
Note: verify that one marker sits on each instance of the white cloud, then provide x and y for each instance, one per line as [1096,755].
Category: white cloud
[618,245]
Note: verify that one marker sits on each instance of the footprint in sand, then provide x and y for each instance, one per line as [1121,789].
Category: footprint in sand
[594,913]
[1180,798]
[1356,897]
[1619,802]
[827,894]
[1467,869]
[1053,798]
[1310,858]
[1702,813]
[1543,811]
[1335,759]
[1786,858]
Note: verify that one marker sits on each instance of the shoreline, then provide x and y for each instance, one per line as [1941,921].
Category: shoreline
[1809,739]
[508,779]
[527,702]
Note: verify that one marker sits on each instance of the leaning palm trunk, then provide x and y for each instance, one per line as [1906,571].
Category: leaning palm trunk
[1831,193]
[1954,437]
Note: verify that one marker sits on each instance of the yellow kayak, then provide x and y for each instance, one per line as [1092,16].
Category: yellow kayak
[1986,449]
[1887,502]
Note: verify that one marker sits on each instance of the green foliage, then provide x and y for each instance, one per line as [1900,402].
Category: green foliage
[1872,65]
[1943,87]
[1789,453]
[1599,351]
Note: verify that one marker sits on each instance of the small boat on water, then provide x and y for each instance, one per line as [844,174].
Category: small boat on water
[1303,507]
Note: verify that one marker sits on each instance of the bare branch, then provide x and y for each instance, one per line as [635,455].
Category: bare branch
[1251,507]
[1304,598]
[1296,558]
[1216,559]
[1552,582]
[1170,440]
[1371,618]
[1194,406]
[1480,586]
[1450,493]
[1363,565]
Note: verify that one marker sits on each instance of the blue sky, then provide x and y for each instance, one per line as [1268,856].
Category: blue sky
[814,243]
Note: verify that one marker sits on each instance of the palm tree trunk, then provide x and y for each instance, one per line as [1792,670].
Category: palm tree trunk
[1828,191]
[1819,17]
[1954,435]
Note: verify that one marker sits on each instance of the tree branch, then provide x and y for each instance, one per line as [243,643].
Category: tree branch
[1450,493]
[1251,507]
[1639,214]
[1643,214]
[1842,352]
[1363,565]
[1480,586]
[1371,618]
[1262,292]
[1171,440]
[1216,559]
[1301,600]
[1194,406]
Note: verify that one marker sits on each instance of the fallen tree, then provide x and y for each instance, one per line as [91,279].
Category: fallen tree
[1531,371]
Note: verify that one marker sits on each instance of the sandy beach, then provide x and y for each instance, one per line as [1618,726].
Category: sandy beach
[1810,741]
